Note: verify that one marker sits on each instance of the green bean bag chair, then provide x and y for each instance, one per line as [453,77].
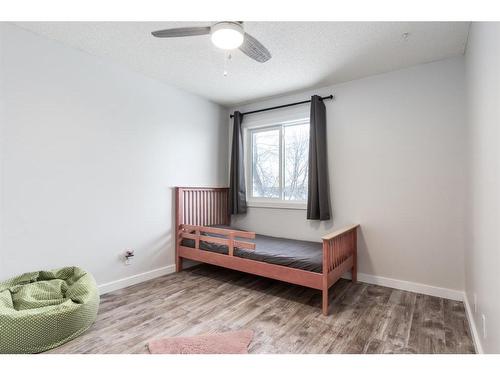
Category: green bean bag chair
[45,309]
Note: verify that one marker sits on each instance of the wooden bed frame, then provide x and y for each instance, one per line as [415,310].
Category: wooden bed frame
[199,208]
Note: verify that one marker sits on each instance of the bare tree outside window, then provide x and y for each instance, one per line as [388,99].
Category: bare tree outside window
[296,142]
[279,162]
[266,164]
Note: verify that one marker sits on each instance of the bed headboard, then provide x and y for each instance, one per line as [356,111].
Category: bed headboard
[202,206]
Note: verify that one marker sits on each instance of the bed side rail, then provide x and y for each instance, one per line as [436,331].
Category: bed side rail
[339,246]
[230,239]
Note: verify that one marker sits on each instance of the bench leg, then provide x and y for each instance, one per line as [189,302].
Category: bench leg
[325,301]
[178,264]
[354,270]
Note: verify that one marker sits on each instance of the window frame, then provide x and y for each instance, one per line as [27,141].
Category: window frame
[264,202]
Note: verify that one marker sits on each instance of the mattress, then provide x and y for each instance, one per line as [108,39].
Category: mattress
[304,255]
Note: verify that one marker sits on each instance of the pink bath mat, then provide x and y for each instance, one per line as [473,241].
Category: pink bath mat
[234,342]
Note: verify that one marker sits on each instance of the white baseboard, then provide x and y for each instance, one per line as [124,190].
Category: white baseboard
[456,295]
[135,279]
[410,286]
[472,325]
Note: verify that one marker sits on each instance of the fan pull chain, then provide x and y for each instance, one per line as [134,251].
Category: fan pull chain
[227,59]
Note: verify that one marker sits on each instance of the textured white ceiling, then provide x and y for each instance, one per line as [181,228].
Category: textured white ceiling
[305,54]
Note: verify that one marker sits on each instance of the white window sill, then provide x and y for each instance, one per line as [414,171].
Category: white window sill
[278,205]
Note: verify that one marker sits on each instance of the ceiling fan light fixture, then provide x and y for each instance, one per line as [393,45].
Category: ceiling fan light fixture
[227,35]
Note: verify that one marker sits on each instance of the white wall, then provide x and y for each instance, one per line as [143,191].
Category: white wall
[397,166]
[90,155]
[1,143]
[482,262]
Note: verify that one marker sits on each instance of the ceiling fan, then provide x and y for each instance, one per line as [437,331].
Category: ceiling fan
[226,35]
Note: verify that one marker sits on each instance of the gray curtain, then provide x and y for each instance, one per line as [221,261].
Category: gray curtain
[318,194]
[237,189]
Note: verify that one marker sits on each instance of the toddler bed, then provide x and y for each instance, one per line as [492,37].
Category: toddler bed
[204,234]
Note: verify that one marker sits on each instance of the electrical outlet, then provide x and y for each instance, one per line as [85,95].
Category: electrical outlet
[484,326]
[475,303]
[129,255]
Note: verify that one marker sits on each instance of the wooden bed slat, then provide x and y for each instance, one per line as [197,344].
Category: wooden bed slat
[215,230]
[219,241]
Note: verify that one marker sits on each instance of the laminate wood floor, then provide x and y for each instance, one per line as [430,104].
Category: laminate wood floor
[286,318]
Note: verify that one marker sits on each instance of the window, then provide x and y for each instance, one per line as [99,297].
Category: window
[277,161]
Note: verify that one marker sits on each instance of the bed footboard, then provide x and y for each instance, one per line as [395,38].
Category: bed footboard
[339,257]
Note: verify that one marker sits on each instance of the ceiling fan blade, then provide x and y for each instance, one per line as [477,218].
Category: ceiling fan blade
[181,31]
[254,49]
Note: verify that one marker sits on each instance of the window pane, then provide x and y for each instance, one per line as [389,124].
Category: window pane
[266,164]
[296,140]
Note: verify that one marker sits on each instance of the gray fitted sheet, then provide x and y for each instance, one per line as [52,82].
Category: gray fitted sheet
[303,255]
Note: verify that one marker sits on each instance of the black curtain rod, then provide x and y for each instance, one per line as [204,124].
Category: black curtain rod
[282,106]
